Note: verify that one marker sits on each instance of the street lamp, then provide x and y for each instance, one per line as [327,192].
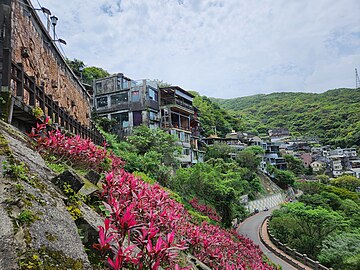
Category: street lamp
[54,21]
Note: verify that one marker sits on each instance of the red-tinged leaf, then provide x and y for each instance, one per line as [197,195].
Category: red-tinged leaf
[170,237]
[159,244]
[156,265]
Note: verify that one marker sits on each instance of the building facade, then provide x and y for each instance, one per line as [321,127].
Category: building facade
[132,103]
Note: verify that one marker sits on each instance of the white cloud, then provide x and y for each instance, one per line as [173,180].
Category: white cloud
[222,48]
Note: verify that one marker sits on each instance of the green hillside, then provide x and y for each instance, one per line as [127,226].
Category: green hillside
[333,116]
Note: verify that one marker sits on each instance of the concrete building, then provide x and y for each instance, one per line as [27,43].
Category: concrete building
[180,118]
[133,103]
[130,103]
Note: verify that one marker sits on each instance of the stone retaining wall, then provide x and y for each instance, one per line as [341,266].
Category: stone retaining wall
[33,47]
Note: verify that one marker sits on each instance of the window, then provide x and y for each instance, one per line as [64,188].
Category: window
[186,151]
[153,95]
[153,115]
[102,102]
[98,87]
[137,118]
[118,83]
[121,118]
[119,98]
[125,84]
[135,96]
[182,136]
[187,137]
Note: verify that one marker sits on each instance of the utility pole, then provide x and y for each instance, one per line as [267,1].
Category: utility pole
[357,80]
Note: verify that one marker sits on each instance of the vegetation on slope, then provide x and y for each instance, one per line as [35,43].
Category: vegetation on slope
[157,226]
[333,116]
[325,223]
[215,119]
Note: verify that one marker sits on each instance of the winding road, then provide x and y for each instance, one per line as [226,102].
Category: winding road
[250,228]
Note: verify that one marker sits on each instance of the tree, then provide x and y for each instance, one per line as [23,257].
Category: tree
[341,251]
[294,164]
[145,139]
[76,65]
[148,151]
[285,178]
[218,150]
[313,225]
[250,157]
[89,74]
[346,181]
[216,182]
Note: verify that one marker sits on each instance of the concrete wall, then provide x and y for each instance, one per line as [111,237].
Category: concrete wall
[45,62]
[268,202]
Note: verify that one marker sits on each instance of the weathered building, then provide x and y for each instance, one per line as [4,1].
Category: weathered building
[35,74]
[180,118]
[132,103]
[129,102]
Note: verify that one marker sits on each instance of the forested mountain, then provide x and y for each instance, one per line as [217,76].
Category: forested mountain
[215,119]
[333,116]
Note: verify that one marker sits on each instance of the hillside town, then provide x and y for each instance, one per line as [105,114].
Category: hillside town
[120,173]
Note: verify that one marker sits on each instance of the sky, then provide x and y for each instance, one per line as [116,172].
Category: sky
[219,48]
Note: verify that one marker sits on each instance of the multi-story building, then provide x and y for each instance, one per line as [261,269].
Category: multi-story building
[180,118]
[272,157]
[133,103]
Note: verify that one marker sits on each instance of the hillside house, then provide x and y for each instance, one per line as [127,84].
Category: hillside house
[306,158]
[132,103]
[318,166]
[231,140]
[272,157]
[180,118]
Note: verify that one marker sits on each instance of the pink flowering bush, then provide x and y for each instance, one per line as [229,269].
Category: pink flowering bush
[75,150]
[145,214]
[143,227]
[204,209]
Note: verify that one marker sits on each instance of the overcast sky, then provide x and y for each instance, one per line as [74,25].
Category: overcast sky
[219,48]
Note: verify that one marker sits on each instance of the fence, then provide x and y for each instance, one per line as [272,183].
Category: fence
[30,94]
[298,257]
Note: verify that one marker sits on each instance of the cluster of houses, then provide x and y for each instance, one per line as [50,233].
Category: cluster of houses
[321,159]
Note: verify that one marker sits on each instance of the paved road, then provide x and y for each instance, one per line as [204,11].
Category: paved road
[250,228]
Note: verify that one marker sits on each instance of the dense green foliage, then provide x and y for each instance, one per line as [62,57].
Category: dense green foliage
[333,116]
[150,151]
[215,120]
[309,226]
[294,164]
[325,223]
[218,183]
[87,74]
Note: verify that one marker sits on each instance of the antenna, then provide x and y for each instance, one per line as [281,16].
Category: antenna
[357,79]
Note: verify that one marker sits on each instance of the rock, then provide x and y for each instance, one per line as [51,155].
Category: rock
[8,256]
[68,177]
[51,236]
[93,177]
